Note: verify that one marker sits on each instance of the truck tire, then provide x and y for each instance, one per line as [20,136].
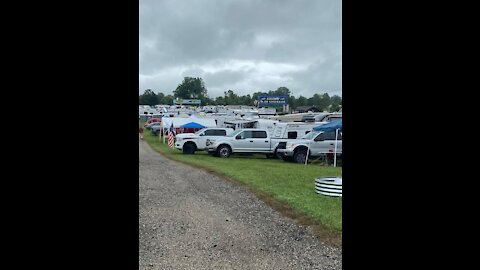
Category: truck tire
[224,151]
[278,155]
[189,148]
[300,156]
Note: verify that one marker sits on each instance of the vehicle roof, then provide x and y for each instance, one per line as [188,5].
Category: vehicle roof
[239,121]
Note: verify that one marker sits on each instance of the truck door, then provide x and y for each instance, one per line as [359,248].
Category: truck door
[207,134]
[325,143]
[260,141]
[243,141]
[252,141]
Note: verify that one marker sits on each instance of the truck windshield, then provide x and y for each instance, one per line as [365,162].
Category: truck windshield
[200,131]
[310,135]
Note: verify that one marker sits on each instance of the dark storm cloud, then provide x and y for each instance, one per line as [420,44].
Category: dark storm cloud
[243,45]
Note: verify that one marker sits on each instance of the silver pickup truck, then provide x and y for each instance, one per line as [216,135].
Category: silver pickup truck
[249,140]
[317,143]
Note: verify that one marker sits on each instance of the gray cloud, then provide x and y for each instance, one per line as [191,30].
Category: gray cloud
[243,45]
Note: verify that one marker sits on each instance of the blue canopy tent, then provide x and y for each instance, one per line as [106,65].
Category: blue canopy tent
[335,125]
[192,125]
[332,126]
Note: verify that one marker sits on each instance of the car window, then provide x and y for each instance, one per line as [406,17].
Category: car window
[246,134]
[320,137]
[329,135]
[220,132]
[310,135]
[259,134]
[334,118]
[292,134]
[234,134]
[210,132]
[200,131]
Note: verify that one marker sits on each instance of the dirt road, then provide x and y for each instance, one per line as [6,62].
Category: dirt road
[191,219]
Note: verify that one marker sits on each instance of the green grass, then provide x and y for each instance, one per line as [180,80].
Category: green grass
[288,187]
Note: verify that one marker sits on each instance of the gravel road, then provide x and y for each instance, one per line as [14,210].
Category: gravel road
[191,219]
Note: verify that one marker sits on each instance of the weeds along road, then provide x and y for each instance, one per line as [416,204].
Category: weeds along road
[191,219]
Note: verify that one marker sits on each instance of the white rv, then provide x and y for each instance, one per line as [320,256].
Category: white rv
[293,130]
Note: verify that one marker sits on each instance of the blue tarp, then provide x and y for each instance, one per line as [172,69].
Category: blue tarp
[332,126]
[192,125]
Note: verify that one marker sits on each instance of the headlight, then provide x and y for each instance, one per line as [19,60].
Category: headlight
[179,139]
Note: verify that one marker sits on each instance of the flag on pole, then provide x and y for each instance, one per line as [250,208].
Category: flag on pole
[171,132]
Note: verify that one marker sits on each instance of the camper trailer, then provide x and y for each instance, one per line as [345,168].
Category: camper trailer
[293,130]
[309,117]
[329,117]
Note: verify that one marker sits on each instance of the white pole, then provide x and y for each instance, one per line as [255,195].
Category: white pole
[308,149]
[335,157]
[163,132]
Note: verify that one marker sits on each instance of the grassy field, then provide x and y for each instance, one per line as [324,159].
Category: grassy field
[287,187]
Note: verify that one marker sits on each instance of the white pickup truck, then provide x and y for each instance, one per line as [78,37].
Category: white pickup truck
[316,143]
[188,143]
[248,140]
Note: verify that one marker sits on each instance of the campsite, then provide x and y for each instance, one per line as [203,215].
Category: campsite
[288,187]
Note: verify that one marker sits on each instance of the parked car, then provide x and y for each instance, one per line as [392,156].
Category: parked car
[149,126]
[151,120]
[316,143]
[188,143]
[156,129]
[249,140]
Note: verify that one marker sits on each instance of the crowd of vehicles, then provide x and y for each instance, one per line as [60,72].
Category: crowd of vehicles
[290,141]
[224,142]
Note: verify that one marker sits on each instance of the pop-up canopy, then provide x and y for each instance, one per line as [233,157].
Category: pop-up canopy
[192,125]
[332,126]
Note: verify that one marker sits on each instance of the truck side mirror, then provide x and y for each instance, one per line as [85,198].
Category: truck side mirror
[239,137]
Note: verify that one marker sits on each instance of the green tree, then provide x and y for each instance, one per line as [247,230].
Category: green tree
[282,91]
[310,102]
[334,108]
[325,101]
[167,100]
[301,101]
[246,100]
[148,98]
[292,102]
[160,97]
[315,101]
[231,98]
[220,101]
[208,101]
[191,88]
[336,102]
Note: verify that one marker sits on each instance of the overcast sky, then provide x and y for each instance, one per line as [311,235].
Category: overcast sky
[243,45]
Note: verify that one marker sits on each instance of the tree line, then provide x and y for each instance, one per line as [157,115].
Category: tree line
[194,88]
